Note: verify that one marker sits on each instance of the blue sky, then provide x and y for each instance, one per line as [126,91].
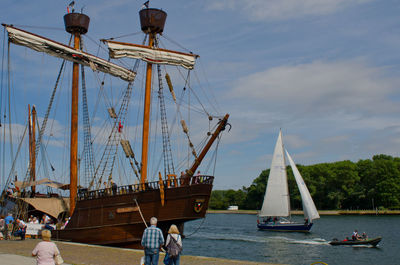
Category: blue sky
[326,72]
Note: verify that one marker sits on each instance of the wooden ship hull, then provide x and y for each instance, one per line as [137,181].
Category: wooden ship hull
[104,218]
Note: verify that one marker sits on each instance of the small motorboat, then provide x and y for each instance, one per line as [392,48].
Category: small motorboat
[372,241]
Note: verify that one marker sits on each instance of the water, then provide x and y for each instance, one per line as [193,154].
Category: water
[235,236]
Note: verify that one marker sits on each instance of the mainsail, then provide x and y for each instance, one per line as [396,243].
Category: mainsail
[41,44]
[310,211]
[151,55]
[276,199]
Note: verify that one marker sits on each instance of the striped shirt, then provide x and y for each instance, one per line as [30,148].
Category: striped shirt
[152,237]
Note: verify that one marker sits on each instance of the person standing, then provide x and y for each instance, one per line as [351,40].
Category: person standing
[21,229]
[174,245]
[152,240]
[114,187]
[2,227]
[9,226]
[45,251]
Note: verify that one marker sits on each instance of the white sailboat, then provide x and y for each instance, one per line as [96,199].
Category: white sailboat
[275,211]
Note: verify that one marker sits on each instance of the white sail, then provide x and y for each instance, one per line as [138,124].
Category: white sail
[310,211]
[151,55]
[41,44]
[276,199]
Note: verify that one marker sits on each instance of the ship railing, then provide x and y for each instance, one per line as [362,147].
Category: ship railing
[85,194]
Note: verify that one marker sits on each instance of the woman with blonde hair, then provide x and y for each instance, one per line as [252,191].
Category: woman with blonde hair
[46,251]
[173,245]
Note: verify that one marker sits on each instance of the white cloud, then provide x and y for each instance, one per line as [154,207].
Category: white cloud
[295,141]
[320,89]
[259,10]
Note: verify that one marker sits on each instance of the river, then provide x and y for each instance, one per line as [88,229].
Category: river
[235,236]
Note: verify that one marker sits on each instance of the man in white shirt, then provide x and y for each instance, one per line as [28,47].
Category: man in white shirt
[21,229]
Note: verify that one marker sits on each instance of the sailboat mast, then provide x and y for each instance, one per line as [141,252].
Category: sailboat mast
[152,22]
[146,115]
[286,178]
[76,24]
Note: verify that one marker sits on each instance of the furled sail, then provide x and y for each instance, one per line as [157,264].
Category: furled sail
[45,181]
[276,199]
[151,55]
[41,44]
[310,211]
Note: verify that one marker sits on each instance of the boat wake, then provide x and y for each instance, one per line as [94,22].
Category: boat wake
[231,237]
[272,239]
[314,241]
[363,246]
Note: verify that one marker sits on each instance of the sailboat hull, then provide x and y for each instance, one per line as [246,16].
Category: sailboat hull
[285,227]
[115,220]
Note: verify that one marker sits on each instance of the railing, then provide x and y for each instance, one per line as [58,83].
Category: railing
[85,194]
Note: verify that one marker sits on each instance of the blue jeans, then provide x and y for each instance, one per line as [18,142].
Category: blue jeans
[151,256]
[175,261]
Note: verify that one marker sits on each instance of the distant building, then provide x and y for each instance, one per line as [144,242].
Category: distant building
[233,208]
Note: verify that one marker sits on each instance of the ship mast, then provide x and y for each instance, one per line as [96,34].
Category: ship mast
[152,21]
[76,24]
[32,145]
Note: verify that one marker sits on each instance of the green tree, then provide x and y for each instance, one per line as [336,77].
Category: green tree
[339,185]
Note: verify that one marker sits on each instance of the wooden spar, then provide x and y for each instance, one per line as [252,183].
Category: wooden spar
[146,117]
[76,24]
[74,129]
[30,142]
[214,136]
[33,166]
[32,145]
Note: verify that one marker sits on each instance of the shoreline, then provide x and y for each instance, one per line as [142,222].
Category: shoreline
[322,212]
[80,254]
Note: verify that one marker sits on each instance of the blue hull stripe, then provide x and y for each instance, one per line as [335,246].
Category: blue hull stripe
[285,227]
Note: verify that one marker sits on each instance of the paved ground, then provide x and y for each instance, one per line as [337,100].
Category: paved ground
[16,252]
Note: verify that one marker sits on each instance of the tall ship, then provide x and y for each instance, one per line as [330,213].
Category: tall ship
[138,163]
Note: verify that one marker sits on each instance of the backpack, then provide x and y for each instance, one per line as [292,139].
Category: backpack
[173,249]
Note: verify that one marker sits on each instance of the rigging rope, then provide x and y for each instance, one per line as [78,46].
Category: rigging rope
[107,161]
[125,35]
[167,150]
[87,149]
[176,43]
[46,117]
[2,143]
[10,175]
[9,100]
[197,229]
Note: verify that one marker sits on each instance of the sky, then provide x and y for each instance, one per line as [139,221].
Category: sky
[325,72]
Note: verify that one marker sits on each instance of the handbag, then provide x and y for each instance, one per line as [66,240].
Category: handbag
[58,259]
[167,260]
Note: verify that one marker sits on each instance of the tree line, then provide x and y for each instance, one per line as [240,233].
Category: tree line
[366,184]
